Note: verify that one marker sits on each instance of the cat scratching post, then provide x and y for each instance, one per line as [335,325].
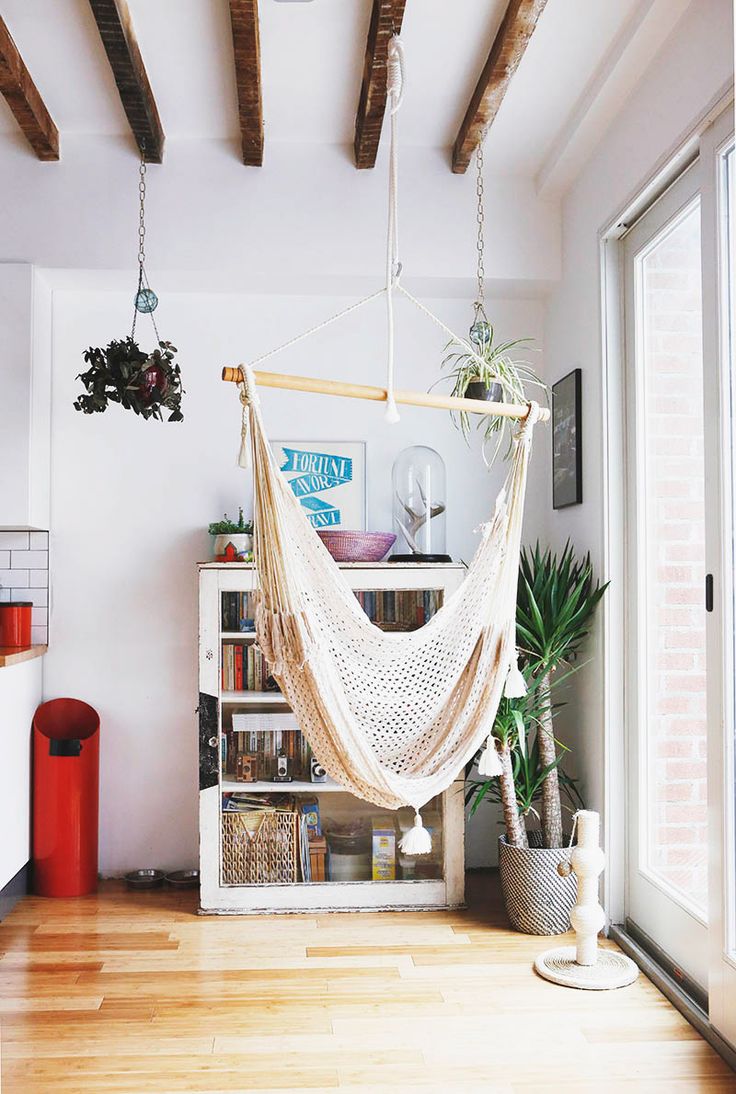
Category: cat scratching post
[584,965]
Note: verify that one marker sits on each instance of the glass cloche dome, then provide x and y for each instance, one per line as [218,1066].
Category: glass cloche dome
[419,504]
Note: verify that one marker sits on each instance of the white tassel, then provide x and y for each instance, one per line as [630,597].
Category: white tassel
[515,687]
[417,840]
[392,414]
[489,764]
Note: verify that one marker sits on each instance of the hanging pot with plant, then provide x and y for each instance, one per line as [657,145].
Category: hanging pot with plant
[123,373]
[482,368]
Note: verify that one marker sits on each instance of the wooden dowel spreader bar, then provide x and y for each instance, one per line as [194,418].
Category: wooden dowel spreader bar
[378,394]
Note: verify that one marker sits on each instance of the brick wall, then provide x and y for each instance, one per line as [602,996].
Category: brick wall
[676,561]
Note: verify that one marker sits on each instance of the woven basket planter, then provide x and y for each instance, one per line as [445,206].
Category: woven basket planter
[537,899]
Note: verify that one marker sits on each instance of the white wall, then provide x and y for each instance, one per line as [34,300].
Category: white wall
[690,71]
[131,501]
[16,312]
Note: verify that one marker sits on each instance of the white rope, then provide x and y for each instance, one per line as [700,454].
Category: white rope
[395,94]
[320,326]
[455,337]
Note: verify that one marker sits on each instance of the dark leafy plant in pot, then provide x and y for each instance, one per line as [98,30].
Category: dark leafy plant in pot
[146,383]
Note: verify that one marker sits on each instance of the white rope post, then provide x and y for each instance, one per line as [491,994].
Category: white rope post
[587,917]
[584,965]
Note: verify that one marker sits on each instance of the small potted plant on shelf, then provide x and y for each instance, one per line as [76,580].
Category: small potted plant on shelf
[232,542]
[483,368]
[556,600]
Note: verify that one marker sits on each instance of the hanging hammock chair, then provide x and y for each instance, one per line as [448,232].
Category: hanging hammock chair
[393,717]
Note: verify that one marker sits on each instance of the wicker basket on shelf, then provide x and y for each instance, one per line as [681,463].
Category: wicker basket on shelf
[260,848]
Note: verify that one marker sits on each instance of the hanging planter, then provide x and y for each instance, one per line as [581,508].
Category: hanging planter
[146,383]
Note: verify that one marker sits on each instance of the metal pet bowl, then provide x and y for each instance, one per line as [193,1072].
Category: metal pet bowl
[145,879]
[183,879]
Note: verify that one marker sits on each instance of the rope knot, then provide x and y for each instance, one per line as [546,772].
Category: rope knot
[395,72]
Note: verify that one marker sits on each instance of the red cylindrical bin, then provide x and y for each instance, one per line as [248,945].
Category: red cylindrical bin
[15,624]
[66,762]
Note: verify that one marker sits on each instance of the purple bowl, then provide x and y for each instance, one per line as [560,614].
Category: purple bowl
[345,546]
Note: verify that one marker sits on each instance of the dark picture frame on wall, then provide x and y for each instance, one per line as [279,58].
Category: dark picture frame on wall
[567,441]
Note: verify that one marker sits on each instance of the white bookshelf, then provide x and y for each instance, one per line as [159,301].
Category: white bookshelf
[438,882]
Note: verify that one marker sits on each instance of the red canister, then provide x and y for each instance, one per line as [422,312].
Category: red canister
[15,624]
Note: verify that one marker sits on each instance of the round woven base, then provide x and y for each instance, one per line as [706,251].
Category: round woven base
[611,970]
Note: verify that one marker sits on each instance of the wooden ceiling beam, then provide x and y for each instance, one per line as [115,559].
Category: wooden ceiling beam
[121,46]
[386,19]
[24,99]
[247,49]
[507,50]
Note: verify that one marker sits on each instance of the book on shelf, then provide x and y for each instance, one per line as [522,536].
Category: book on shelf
[244,668]
[238,612]
[400,609]
[260,747]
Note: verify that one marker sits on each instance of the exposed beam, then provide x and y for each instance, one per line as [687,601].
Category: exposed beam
[386,19]
[247,48]
[118,37]
[23,98]
[507,50]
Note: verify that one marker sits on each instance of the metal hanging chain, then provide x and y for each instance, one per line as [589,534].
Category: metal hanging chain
[143,284]
[480,220]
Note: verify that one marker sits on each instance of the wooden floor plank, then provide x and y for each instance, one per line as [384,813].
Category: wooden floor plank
[123,993]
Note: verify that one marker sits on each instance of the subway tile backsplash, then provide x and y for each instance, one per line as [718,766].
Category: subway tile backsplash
[24,574]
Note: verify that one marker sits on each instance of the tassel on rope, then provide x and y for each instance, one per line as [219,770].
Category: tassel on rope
[244,454]
[489,764]
[515,687]
[417,840]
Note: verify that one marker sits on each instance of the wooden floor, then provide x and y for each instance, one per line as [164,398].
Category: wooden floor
[122,992]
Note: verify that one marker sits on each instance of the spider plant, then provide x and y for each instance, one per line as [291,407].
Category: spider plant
[555,603]
[484,360]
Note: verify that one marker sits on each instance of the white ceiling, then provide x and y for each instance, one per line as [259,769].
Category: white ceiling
[312,56]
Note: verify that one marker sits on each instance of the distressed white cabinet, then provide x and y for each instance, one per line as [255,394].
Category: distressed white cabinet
[398,596]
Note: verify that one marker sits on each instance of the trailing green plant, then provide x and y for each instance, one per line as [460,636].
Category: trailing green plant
[555,603]
[489,362]
[146,383]
[227,527]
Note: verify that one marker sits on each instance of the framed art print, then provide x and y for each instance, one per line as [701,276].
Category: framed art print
[567,452]
[328,478]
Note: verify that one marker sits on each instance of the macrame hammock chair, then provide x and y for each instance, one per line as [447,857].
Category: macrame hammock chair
[392,717]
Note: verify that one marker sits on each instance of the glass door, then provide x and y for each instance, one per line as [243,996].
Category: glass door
[667,841]
[719,183]
[680,636]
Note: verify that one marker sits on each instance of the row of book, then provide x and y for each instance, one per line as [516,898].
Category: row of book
[239,612]
[257,756]
[244,668]
[405,609]
[401,609]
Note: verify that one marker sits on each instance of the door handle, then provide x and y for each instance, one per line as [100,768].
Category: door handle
[709,592]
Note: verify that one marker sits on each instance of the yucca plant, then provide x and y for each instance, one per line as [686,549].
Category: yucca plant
[519,791]
[556,600]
